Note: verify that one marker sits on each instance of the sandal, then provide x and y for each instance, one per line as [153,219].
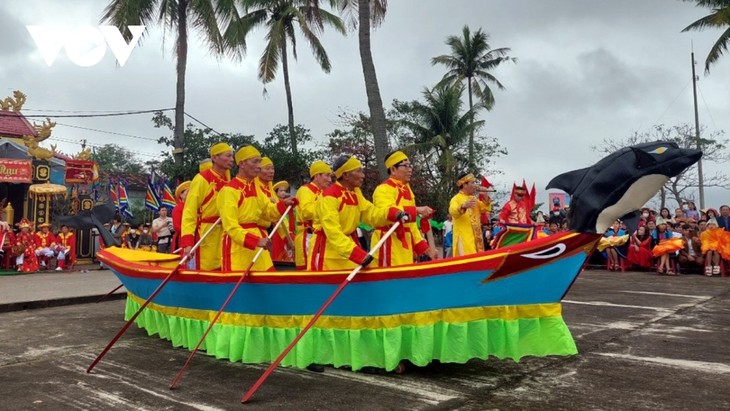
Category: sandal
[708,271]
[716,270]
[670,272]
[660,271]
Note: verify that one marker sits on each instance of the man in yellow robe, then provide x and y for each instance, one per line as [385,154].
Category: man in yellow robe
[321,177]
[338,212]
[465,209]
[242,207]
[201,209]
[407,241]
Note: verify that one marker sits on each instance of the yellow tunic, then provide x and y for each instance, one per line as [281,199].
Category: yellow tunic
[242,207]
[338,212]
[200,212]
[467,231]
[399,248]
[307,195]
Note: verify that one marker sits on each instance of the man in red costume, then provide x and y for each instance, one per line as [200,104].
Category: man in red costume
[517,209]
[66,248]
[24,248]
[45,244]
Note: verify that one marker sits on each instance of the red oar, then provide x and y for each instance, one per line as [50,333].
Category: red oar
[151,297]
[225,303]
[104,297]
[311,322]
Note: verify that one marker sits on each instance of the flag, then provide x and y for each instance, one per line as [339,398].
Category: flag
[113,195]
[486,184]
[127,212]
[168,199]
[123,198]
[151,200]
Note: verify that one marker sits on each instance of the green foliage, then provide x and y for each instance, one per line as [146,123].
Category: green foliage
[437,132]
[719,18]
[114,158]
[433,134]
[294,169]
[196,142]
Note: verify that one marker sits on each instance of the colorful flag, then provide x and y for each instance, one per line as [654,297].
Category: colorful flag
[151,200]
[168,199]
[113,195]
[123,198]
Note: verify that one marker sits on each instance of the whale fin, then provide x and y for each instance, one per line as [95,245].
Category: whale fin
[643,159]
[568,181]
[632,221]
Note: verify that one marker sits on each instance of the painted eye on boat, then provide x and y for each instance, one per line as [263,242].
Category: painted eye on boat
[551,252]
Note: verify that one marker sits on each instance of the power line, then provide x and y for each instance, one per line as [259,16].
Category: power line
[115,114]
[203,124]
[80,111]
[100,146]
[673,101]
[108,132]
[707,107]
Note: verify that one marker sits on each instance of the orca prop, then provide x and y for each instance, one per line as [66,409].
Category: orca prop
[620,184]
[96,217]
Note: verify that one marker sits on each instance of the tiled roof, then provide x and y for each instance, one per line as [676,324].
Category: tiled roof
[14,124]
[135,182]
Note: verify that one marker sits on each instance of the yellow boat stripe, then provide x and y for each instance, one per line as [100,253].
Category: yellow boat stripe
[452,315]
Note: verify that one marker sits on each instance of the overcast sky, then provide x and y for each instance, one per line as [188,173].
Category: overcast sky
[587,70]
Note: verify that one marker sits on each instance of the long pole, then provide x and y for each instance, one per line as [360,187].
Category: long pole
[150,298]
[701,179]
[225,303]
[314,319]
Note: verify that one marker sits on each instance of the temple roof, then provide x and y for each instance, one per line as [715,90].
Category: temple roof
[14,124]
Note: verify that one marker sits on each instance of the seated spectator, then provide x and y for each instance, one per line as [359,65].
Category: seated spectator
[614,237]
[640,249]
[145,241]
[652,231]
[679,217]
[66,249]
[723,221]
[712,240]
[665,247]
[553,228]
[691,254]
[665,215]
[691,211]
[711,213]
[702,224]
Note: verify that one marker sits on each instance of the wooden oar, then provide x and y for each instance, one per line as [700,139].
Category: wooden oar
[316,316]
[225,303]
[104,297]
[151,297]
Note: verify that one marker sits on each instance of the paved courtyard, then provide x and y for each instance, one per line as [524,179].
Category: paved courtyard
[645,342]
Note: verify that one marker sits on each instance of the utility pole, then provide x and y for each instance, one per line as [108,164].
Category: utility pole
[700,177]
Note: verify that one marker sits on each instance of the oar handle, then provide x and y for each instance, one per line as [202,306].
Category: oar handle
[375,249]
[247,396]
[207,232]
[180,373]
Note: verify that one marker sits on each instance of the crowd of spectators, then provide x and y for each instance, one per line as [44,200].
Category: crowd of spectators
[686,239]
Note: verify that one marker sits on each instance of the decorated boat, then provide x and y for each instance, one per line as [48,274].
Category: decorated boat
[503,303]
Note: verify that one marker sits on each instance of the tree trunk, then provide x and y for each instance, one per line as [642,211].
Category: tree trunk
[375,103]
[182,59]
[471,122]
[289,105]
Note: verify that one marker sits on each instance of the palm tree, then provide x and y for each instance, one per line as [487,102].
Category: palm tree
[279,17]
[472,60]
[719,18]
[177,16]
[370,13]
[441,130]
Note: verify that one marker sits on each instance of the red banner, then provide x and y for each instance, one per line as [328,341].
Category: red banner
[79,171]
[16,171]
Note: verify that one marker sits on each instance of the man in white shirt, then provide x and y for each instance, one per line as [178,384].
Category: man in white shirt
[162,226]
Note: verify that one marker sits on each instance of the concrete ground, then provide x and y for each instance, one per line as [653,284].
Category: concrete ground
[646,343]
